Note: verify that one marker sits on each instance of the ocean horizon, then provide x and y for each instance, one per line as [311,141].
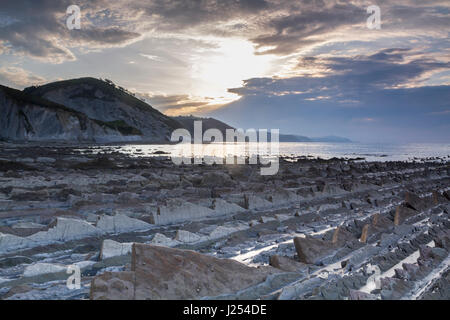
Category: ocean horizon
[324,150]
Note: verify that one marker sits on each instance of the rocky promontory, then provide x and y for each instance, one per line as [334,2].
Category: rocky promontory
[80,110]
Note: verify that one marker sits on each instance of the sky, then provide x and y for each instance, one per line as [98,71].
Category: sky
[309,67]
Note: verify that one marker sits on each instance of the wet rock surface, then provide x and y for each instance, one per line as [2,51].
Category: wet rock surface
[319,229]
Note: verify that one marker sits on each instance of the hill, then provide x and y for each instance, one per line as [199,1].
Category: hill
[104,101]
[26,117]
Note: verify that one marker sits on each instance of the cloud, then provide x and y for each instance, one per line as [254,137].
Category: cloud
[174,105]
[19,78]
[307,27]
[104,36]
[37,28]
[359,74]
[363,97]
[150,57]
[184,14]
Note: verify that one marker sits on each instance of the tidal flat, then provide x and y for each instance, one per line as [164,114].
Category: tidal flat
[144,228]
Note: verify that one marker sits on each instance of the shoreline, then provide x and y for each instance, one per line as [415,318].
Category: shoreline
[287,150]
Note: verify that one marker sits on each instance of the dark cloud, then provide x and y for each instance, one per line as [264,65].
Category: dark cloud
[189,13]
[32,28]
[193,106]
[361,97]
[359,75]
[37,28]
[308,23]
[294,31]
[104,35]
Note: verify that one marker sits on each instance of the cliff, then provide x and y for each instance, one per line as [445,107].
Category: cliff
[106,102]
[30,118]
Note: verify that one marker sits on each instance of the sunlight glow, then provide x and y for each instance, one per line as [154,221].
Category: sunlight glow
[225,67]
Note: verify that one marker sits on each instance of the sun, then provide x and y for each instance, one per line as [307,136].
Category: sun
[226,66]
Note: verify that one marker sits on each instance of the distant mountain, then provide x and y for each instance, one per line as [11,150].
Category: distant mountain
[211,123]
[104,101]
[331,139]
[25,117]
[297,138]
[293,138]
[207,123]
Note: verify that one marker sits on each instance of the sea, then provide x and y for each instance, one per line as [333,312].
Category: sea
[323,150]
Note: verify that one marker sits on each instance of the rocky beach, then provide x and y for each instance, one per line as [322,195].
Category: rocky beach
[144,228]
[224,159]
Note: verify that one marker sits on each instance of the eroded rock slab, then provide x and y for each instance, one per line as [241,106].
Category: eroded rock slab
[111,248]
[179,211]
[121,223]
[286,264]
[166,273]
[402,213]
[414,201]
[311,250]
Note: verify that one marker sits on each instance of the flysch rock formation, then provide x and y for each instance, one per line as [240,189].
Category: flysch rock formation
[323,226]
[165,273]
[71,229]
[178,211]
[120,223]
[111,248]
